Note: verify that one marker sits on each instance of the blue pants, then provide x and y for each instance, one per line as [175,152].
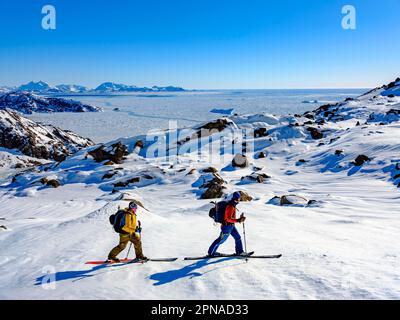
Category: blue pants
[226,231]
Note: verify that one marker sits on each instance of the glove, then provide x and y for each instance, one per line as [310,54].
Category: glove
[139,227]
[242,218]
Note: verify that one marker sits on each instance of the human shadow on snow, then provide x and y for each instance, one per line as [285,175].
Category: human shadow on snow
[187,271]
[69,275]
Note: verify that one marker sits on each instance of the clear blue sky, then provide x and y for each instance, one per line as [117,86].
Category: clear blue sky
[201,44]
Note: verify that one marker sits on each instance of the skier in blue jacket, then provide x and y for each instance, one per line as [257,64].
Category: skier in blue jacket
[228,227]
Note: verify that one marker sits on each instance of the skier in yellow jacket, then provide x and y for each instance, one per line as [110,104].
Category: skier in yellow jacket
[130,231]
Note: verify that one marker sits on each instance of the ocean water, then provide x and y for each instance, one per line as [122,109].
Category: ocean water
[139,113]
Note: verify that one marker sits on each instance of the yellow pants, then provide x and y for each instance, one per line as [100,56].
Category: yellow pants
[123,241]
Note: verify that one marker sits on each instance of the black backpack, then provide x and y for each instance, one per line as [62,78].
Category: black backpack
[217,213]
[117,220]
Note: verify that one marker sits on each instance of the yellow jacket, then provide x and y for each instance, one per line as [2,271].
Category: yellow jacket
[130,222]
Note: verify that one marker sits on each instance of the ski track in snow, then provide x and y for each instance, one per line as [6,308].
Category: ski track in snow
[345,247]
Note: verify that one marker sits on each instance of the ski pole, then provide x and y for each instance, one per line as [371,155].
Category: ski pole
[130,246]
[244,236]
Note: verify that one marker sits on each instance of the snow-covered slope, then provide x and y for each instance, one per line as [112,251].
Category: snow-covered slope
[339,239]
[28,103]
[36,140]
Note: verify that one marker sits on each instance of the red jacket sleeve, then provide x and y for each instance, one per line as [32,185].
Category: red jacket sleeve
[230,214]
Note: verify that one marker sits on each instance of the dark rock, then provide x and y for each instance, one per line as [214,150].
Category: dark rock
[315,133]
[338,152]
[115,153]
[240,161]
[215,180]
[360,160]
[126,183]
[213,191]
[260,132]
[309,116]
[391,96]
[245,197]
[3,227]
[139,144]
[397,176]
[109,175]
[192,171]
[261,155]
[259,177]
[349,99]
[210,170]
[53,183]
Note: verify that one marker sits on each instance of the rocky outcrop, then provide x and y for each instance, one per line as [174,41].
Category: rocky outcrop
[36,140]
[212,185]
[115,153]
[260,132]
[291,200]
[240,161]
[256,177]
[360,160]
[28,103]
[315,133]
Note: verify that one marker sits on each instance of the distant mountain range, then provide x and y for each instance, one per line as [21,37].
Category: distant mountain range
[42,87]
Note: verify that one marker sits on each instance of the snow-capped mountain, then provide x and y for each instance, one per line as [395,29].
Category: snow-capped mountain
[114,87]
[71,88]
[28,103]
[322,188]
[42,87]
[37,140]
[39,86]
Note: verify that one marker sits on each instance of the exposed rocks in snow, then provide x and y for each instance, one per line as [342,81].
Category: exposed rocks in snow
[261,155]
[213,192]
[3,227]
[50,183]
[192,171]
[139,144]
[300,162]
[315,133]
[260,132]
[53,183]
[28,103]
[212,184]
[240,161]
[109,175]
[115,153]
[210,170]
[255,177]
[291,200]
[338,152]
[123,184]
[245,197]
[36,140]
[360,160]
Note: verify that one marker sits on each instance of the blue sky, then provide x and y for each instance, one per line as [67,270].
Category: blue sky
[201,44]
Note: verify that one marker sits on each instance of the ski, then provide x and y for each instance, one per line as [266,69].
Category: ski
[273,256]
[126,261]
[154,260]
[222,255]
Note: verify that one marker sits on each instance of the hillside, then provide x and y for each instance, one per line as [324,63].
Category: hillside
[324,190]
